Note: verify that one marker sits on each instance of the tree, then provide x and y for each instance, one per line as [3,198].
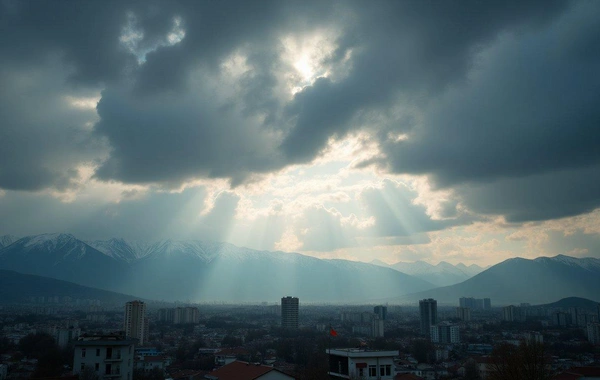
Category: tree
[422,350]
[528,361]
[36,345]
[471,370]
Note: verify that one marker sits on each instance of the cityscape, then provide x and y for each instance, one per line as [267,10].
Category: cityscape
[299,189]
[60,337]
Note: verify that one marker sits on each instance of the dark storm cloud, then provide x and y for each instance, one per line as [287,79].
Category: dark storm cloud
[147,217]
[407,49]
[521,137]
[486,91]
[43,137]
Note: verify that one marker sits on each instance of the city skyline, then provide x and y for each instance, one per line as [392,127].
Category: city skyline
[332,129]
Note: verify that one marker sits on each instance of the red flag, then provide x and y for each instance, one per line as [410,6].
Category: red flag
[332,332]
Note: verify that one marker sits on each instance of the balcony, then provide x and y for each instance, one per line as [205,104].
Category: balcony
[113,358]
[112,374]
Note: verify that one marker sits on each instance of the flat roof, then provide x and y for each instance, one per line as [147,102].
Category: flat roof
[361,353]
[105,342]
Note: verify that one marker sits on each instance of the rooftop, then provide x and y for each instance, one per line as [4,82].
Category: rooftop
[239,370]
[361,352]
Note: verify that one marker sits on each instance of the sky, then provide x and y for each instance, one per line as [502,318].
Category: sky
[459,131]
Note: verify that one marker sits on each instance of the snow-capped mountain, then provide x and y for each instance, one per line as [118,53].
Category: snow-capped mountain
[587,263]
[64,257]
[196,270]
[7,240]
[442,274]
[121,249]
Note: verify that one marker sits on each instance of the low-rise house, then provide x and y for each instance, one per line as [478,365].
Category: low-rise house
[239,370]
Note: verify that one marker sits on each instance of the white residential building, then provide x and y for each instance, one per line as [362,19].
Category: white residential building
[110,356]
[354,363]
[593,333]
[445,333]
[135,324]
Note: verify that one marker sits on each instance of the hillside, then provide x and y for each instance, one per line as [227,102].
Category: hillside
[203,271]
[540,280]
[17,287]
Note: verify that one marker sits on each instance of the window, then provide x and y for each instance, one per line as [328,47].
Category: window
[361,372]
[82,366]
[381,370]
[388,370]
[372,371]
[97,352]
[83,352]
[97,366]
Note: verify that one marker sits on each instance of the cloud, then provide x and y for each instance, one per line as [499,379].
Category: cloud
[44,128]
[393,207]
[519,137]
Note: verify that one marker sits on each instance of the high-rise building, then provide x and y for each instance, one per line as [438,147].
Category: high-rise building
[381,311]
[289,312]
[475,303]
[463,313]
[136,326]
[428,312]
[487,304]
[377,328]
[445,333]
[593,333]
[513,313]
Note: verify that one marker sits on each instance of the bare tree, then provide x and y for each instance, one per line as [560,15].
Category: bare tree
[528,361]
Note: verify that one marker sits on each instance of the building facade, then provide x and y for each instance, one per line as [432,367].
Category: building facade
[463,313]
[179,315]
[428,314]
[109,356]
[445,333]
[135,324]
[289,312]
[381,311]
[593,333]
[354,363]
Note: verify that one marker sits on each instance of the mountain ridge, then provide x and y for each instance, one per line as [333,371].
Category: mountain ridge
[193,269]
[516,280]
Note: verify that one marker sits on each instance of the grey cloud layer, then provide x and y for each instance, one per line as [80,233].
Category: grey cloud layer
[492,95]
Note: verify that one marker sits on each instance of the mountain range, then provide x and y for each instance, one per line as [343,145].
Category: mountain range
[516,280]
[17,288]
[442,274]
[202,271]
[208,271]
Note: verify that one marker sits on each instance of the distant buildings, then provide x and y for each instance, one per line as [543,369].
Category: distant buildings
[354,363]
[136,323]
[463,313]
[381,311]
[179,315]
[513,314]
[475,303]
[63,336]
[289,312]
[107,356]
[377,328]
[445,333]
[239,370]
[428,314]
[593,333]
